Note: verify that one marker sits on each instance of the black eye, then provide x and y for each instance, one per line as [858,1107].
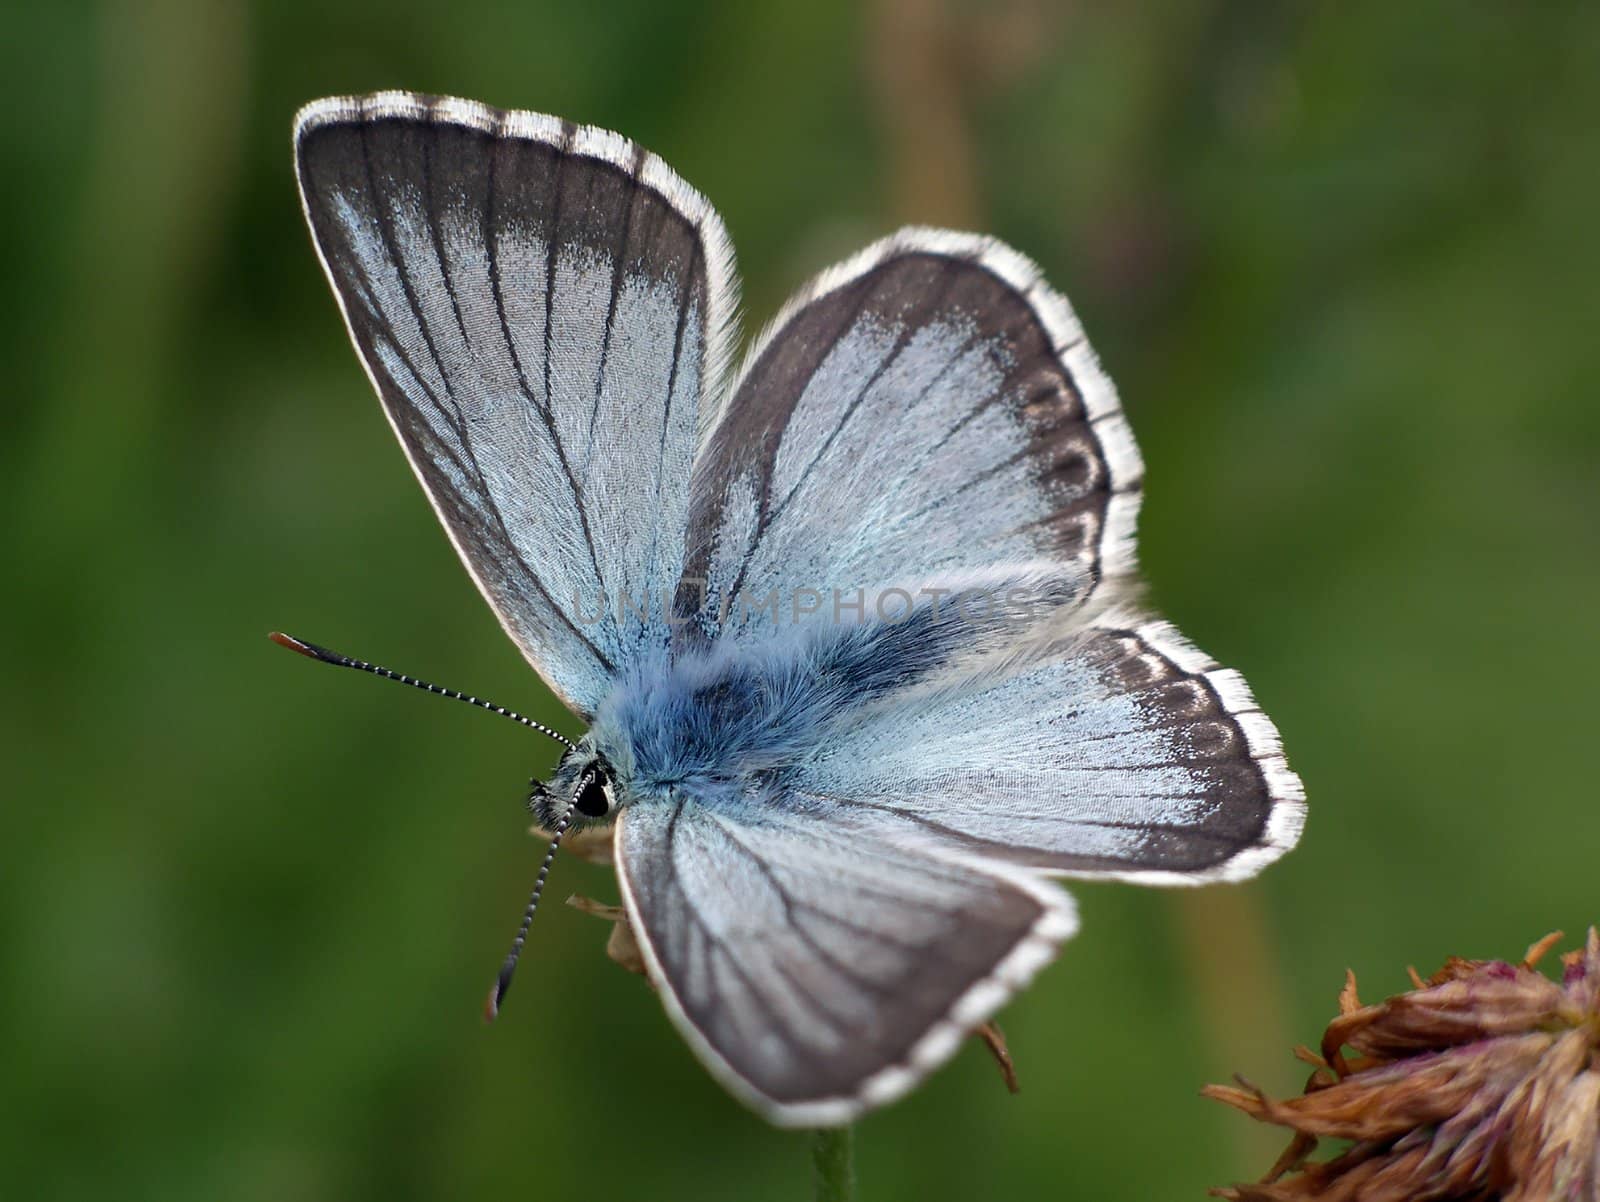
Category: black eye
[591,800]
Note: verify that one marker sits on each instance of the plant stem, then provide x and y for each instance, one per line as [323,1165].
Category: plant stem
[833,1163]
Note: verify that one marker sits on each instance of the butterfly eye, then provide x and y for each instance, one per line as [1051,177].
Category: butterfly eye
[593,798]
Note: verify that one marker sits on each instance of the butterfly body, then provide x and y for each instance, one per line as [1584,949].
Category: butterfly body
[853,628]
[730,723]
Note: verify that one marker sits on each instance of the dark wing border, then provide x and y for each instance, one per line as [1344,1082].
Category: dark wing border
[1286,793]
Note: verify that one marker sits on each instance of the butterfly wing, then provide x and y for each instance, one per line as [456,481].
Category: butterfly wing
[541,308]
[928,408]
[1114,749]
[823,968]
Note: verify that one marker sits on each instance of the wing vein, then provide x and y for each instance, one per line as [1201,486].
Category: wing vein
[618,264]
[684,299]
[552,250]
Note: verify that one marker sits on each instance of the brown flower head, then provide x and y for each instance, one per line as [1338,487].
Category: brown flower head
[1482,1083]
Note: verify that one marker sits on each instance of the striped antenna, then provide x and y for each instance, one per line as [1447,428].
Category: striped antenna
[312,651]
[491,1008]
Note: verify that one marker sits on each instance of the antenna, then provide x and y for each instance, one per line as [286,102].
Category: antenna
[312,651]
[491,1008]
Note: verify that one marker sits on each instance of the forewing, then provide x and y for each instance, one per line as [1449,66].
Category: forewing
[541,308]
[929,408]
[822,964]
[1116,750]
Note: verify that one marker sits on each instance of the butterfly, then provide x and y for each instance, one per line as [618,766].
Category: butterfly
[853,627]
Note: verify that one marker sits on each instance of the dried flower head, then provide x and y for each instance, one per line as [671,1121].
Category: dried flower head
[1482,1083]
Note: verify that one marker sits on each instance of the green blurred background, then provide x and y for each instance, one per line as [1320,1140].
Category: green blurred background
[1342,261]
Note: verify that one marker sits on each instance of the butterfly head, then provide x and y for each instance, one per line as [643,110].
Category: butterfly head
[585,790]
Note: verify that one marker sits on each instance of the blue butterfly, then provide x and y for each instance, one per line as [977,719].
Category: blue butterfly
[852,626]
